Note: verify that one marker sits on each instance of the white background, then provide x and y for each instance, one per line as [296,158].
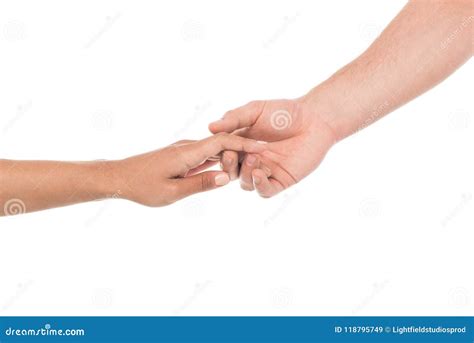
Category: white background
[385,226]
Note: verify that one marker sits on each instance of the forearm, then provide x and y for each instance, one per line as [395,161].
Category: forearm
[423,45]
[156,178]
[27,186]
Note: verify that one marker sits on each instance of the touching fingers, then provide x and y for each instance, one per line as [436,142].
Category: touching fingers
[250,162]
[196,153]
[230,163]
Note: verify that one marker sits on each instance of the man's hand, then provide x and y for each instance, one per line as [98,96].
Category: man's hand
[423,45]
[297,140]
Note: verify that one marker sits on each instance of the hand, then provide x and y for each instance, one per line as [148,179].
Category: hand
[297,138]
[164,176]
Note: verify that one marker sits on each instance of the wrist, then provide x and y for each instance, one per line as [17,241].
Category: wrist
[107,182]
[345,101]
[321,102]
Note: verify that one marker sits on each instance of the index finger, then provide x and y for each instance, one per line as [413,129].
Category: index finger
[196,153]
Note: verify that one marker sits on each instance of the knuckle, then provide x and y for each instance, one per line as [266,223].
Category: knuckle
[206,182]
[221,137]
[228,114]
[228,158]
[256,105]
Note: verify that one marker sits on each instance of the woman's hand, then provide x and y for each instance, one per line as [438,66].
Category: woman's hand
[156,178]
[164,176]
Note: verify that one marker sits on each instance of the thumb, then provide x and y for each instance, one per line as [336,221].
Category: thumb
[238,118]
[201,182]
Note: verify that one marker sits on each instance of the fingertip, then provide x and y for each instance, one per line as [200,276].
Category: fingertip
[262,184]
[258,176]
[220,125]
[214,126]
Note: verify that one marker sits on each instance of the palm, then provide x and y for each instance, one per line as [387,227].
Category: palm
[297,138]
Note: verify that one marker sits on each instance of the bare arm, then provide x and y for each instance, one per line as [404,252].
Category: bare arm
[156,178]
[424,44]
[34,185]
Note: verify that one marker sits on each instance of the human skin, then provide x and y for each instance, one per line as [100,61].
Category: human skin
[424,44]
[155,179]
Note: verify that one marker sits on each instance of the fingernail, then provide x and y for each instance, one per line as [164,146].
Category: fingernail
[221,179]
[251,159]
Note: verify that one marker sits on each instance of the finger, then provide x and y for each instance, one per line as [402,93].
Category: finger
[206,165]
[198,183]
[230,163]
[266,187]
[249,163]
[195,153]
[238,118]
